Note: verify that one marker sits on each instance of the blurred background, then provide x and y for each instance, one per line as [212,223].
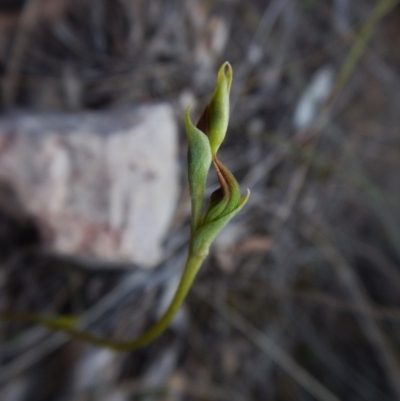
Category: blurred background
[299,298]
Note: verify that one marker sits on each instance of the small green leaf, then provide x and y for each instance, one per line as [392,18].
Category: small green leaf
[199,162]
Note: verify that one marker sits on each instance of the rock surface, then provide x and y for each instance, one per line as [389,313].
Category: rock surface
[99,184]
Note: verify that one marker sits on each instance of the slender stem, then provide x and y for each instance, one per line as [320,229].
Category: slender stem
[192,266]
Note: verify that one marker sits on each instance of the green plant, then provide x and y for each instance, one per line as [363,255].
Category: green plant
[204,139]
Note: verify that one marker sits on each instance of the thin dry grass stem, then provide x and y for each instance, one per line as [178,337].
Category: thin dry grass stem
[384,350]
[382,8]
[274,351]
[296,184]
[21,42]
[385,73]
[385,265]
[321,299]
[354,177]
[359,46]
[271,13]
[31,357]
[37,343]
[261,170]
[335,303]
[380,201]
[320,345]
[201,390]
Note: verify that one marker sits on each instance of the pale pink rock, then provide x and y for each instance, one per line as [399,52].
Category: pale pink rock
[101,184]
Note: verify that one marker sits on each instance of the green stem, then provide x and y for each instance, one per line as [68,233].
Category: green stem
[192,266]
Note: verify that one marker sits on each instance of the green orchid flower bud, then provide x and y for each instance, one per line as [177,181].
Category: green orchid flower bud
[226,201]
[214,119]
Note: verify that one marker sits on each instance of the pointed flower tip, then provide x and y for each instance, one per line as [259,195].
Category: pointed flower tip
[225,74]
[187,113]
[188,121]
[245,198]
